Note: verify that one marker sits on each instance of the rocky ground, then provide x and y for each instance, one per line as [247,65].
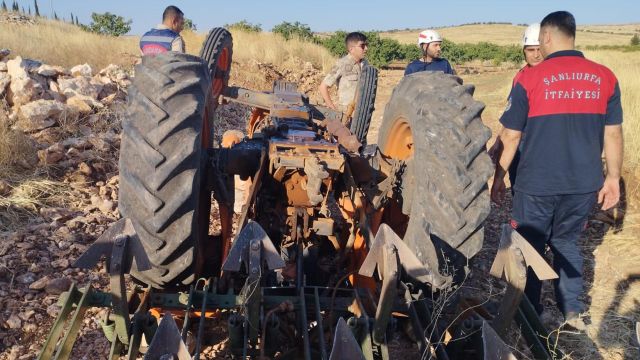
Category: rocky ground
[70,120]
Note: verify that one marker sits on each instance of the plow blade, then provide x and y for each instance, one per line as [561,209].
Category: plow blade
[167,342]
[345,345]
[252,237]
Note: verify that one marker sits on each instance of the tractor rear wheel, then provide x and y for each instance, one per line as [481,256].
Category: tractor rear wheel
[217,52]
[433,123]
[365,100]
[162,165]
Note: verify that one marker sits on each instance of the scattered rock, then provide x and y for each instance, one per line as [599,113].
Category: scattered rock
[14,322]
[17,68]
[57,286]
[5,188]
[78,105]
[85,169]
[48,136]
[21,91]
[3,66]
[114,72]
[52,154]
[106,206]
[78,143]
[79,86]
[99,144]
[53,309]
[60,263]
[26,278]
[40,284]
[88,101]
[5,80]
[81,70]
[39,114]
[48,70]
[57,214]
[4,53]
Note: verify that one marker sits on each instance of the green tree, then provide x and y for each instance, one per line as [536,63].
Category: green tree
[77,22]
[15,6]
[188,24]
[29,10]
[635,40]
[109,24]
[4,6]
[72,18]
[290,30]
[55,16]
[35,7]
[410,52]
[380,52]
[335,43]
[244,25]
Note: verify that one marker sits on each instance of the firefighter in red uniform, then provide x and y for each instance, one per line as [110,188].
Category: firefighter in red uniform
[570,109]
[533,57]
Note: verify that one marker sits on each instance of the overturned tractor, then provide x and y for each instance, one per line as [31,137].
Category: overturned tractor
[335,240]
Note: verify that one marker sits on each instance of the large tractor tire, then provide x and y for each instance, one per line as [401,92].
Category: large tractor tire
[365,100]
[433,123]
[217,52]
[162,165]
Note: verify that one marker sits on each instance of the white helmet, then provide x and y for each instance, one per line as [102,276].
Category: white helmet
[530,36]
[428,36]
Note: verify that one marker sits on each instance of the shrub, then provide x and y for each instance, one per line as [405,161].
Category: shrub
[380,52]
[335,43]
[290,30]
[189,25]
[244,25]
[383,51]
[108,24]
[635,40]
[410,52]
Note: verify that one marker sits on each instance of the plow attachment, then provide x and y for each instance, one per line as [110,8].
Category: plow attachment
[292,322]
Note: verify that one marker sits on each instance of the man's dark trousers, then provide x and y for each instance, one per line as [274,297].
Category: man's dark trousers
[557,220]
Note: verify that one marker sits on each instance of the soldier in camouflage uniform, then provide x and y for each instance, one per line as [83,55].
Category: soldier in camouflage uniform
[346,72]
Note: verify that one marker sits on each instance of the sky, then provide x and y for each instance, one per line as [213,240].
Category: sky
[331,15]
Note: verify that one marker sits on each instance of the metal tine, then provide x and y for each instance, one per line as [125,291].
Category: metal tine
[638,333]
[167,341]
[323,351]
[303,322]
[76,322]
[245,341]
[205,292]
[493,347]
[58,327]
[187,312]
[345,345]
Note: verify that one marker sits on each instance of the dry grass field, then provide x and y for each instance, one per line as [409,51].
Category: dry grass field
[63,44]
[267,48]
[504,34]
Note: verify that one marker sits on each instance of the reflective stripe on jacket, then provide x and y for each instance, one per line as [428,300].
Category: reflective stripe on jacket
[157,41]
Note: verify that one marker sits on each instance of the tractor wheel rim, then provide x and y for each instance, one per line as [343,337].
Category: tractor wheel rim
[219,73]
[400,143]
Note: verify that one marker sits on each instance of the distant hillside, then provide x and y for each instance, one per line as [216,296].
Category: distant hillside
[506,34]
